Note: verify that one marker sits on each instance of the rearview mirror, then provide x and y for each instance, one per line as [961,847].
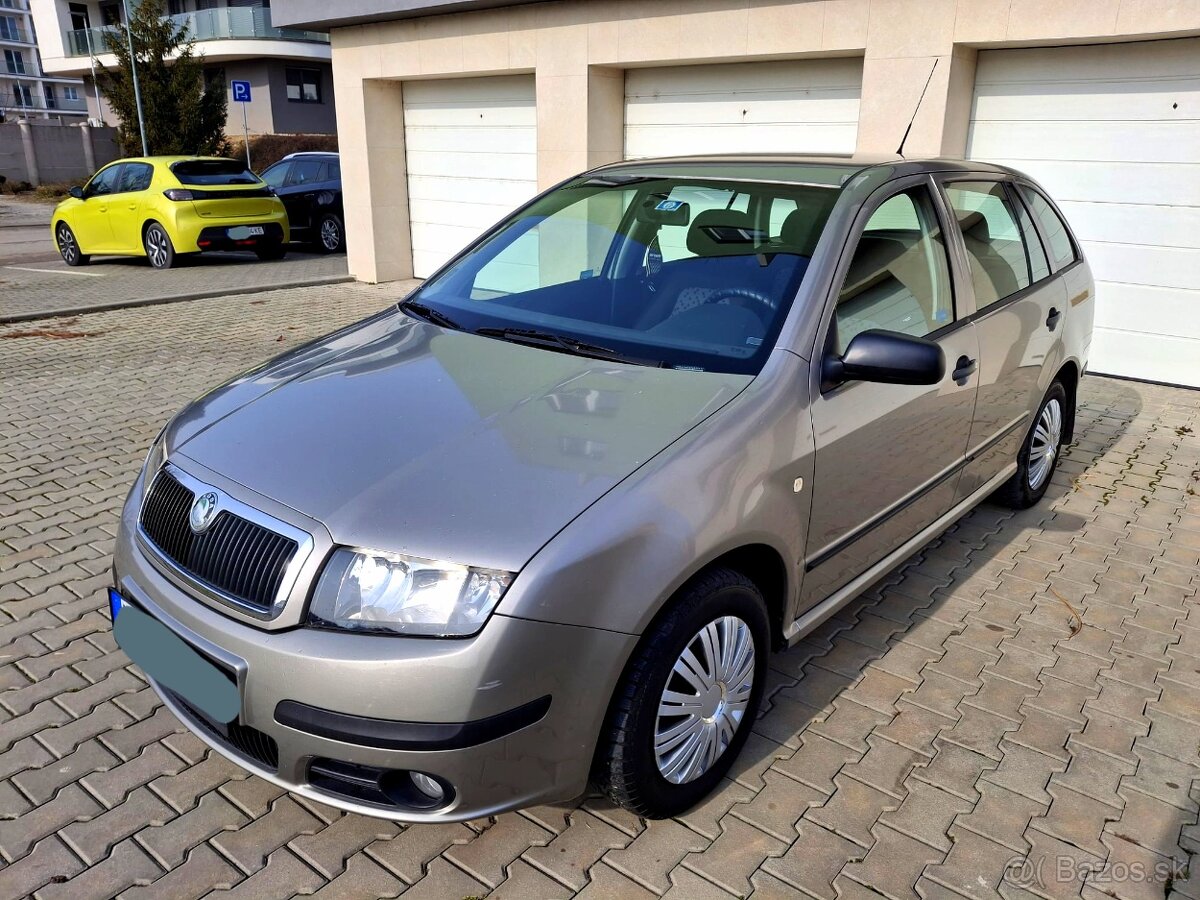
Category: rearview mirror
[76,192]
[886,357]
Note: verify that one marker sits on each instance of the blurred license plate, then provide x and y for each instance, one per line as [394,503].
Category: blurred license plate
[241,232]
[172,662]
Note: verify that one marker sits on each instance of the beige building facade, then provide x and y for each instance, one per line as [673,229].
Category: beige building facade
[1084,94]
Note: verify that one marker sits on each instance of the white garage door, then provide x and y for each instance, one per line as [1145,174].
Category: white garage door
[1113,132]
[471,148]
[775,107]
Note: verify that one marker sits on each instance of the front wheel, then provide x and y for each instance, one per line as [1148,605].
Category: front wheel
[1039,455]
[159,249]
[64,237]
[688,699]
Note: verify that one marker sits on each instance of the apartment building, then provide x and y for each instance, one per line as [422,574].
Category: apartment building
[453,112]
[288,68]
[26,92]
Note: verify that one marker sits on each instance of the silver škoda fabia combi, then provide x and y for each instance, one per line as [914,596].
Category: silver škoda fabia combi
[544,521]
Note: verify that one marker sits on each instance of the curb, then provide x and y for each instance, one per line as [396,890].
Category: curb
[171,298]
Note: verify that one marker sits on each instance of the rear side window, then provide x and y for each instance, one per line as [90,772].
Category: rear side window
[331,171]
[213,171]
[1062,251]
[277,174]
[898,279]
[995,249]
[1039,266]
[305,171]
[136,177]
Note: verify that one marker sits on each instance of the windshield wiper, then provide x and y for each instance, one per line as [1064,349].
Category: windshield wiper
[550,340]
[429,314]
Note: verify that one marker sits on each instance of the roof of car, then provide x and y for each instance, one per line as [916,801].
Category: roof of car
[795,167]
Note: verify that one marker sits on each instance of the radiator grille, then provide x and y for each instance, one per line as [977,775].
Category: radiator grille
[237,557]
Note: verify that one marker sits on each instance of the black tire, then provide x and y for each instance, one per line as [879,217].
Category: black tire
[331,234]
[266,252]
[626,767]
[159,249]
[68,246]
[1028,484]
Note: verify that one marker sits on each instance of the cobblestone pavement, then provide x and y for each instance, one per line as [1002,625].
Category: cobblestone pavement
[38,289]
[1020,698]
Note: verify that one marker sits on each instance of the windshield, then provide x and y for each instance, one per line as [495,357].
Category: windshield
[213,171]
[693,272]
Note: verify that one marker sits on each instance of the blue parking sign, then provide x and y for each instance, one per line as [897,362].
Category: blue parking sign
[241,91]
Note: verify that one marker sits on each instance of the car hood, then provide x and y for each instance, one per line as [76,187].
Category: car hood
[402,436]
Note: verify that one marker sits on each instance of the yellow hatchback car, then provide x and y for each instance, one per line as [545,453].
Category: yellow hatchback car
[168,207]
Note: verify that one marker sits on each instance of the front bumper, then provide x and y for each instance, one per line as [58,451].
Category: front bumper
[507,670]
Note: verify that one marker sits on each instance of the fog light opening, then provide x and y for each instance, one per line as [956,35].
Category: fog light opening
[428,786]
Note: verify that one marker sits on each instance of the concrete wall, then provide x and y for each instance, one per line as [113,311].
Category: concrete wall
[579,50]
[41,154]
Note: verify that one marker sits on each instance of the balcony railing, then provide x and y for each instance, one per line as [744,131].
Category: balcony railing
[229,23]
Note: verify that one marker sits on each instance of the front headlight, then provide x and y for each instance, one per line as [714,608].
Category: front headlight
[369,590]
[155,459]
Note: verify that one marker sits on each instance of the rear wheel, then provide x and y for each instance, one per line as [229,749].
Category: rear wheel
[688,699]
[331,234]
[68,246]
[159,249]
[1039,454]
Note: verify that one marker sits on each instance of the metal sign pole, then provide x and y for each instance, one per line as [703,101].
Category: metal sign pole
[246,135]
[137,88]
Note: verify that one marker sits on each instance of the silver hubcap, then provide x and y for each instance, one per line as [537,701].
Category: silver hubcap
[331,235]
[66,244]
[1046,438]
[157,247]
[704,700]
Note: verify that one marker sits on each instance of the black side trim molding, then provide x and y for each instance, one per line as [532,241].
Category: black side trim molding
[386,734]
[871,524]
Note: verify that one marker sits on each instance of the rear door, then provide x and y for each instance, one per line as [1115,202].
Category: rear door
[126,206]
[889,456]
[1020,307]
[300,190]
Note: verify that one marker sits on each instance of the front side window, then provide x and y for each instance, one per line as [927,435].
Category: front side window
[1062,251]
[898,278]
[671,271]
[303,85]
[995,251]
[104,182]
[304,171]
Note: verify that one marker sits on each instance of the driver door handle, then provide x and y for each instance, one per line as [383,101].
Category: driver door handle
[963,368]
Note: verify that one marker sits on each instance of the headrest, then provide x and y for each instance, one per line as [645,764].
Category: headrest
[974,226]
[722,232]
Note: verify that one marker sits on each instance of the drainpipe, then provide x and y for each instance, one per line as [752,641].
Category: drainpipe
[31,165]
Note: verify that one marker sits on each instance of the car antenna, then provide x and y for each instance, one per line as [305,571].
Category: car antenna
[900,149]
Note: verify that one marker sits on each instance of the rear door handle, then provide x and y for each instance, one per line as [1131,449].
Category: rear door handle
[1052,319]
[963,368]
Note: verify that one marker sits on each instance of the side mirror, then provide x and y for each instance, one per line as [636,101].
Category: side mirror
[886,357]
[76,192]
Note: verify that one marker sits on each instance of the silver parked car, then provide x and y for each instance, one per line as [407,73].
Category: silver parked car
[544,521]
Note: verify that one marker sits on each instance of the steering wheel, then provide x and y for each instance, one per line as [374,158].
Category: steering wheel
[756,301]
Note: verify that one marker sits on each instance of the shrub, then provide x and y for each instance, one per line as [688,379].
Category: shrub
[268,149]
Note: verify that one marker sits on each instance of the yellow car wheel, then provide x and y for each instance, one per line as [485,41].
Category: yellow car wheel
[68,246]
[159,249]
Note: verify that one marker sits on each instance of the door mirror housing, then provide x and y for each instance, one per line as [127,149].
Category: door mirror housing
[885,357]
[76,192]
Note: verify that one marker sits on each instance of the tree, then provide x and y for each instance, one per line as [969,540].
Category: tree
[183,115]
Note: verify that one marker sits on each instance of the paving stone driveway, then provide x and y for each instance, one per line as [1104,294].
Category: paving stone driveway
[1020,698]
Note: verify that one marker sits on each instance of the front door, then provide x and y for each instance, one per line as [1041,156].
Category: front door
[91,224]
[889,456]
[1019,319]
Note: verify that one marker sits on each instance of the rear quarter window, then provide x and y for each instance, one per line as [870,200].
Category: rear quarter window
[1062,251]
[213,171]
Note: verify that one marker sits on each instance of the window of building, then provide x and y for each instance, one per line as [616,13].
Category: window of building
[303,85]
[71,93]
[1062,251]
[51,100]
[22,96]
[14,62]
[110,12]
[9,30]
[898,279]
[8,4]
